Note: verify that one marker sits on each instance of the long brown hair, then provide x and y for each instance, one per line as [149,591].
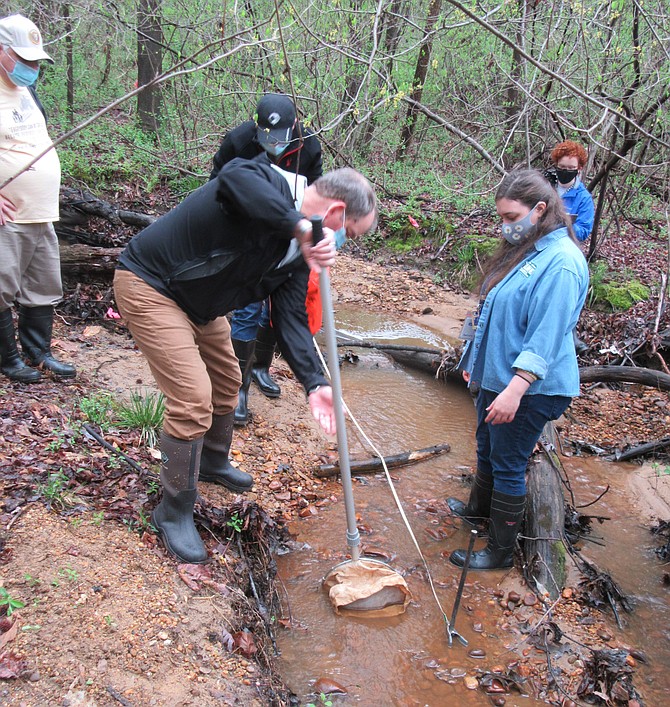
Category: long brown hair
[528,187]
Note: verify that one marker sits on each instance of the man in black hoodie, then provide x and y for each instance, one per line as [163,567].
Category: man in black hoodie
[289,145]
[235,240]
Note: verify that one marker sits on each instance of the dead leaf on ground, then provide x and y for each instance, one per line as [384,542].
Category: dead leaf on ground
[244,642]
[192,575]
[9,634]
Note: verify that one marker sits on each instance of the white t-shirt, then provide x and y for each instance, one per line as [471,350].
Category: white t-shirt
[23,136]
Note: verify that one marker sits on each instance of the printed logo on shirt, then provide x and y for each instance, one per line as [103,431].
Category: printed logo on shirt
[528,269]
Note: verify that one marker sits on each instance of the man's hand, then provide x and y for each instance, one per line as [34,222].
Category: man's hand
[504,407]
[321,405]
[321,255]
[7,210]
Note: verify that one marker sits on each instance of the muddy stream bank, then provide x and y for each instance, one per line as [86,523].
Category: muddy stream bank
[407,660]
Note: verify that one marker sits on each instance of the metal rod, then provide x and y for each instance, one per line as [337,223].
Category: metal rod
[461,585]
[353,536]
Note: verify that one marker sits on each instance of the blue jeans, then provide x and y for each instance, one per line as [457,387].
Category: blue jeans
[504,450]
[246,320]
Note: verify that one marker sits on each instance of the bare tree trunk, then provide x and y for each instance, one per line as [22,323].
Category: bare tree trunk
[149,62]
[391,32]
[420,73]
[69,59]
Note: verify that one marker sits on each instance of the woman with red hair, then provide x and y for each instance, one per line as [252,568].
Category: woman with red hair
[569,159]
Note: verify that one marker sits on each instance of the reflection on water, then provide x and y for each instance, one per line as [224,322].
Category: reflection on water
[369,326]
[407,660]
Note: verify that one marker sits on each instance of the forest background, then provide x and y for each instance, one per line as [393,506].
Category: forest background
[432,100]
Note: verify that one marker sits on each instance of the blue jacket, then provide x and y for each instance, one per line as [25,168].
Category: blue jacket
[526,321]
[579,203]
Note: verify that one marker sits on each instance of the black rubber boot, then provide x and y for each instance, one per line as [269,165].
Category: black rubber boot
[215,464]
[11,363]
[35,328]
[477,510]
[580,346]
[504,523]
[260,373]
[173,516]
[244,350]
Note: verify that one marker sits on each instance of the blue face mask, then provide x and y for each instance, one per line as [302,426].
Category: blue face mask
[22,75]
[277,149]
[517,233]
[341,234]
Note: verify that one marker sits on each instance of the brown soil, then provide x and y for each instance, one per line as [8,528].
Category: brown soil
[109,619]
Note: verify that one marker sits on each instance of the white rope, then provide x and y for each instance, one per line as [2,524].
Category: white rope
[393,491]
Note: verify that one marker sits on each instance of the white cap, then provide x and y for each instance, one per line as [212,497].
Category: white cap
[19,33]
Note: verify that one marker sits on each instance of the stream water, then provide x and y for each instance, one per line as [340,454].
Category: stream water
[407,660]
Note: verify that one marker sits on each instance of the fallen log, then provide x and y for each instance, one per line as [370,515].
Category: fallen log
[78,261]
[85,202]
[371,466]
[625,374]
[641,449]
[544,543]
[439,363]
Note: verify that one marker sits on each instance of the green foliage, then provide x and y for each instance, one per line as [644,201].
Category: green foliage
[9,603]
[469,252]
[480,104]
[54,489]
[31,581]
[236,523]
[613,290]
[98,408]
[408,228]
[659,470]
[68,573]
[144,413]
[58,443]
[141,524]
[129,162]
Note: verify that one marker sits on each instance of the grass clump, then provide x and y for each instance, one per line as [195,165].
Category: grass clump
[143,413]
[468,254]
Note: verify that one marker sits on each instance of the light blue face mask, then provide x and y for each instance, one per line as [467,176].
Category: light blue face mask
[341,234]
[277,149]
[517,233]
[22,75]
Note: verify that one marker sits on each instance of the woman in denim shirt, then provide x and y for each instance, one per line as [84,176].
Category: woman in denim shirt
[520,354]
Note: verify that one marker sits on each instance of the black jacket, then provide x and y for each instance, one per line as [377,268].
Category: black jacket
[220,250]
[301,157]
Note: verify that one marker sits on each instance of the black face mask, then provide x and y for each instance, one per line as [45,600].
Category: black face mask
[565,176]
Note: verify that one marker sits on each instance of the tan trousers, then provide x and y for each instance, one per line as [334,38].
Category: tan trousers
[29,265]
[194,366]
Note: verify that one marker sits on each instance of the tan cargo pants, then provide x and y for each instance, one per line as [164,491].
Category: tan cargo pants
[194,365]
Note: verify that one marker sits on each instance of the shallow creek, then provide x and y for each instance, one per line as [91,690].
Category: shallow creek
[407,660]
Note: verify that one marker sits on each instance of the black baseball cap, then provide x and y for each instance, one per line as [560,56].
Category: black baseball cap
[275,117]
